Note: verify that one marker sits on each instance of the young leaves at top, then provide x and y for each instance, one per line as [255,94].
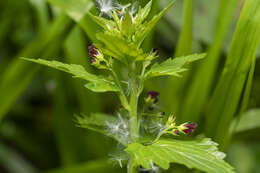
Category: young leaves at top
[200,154]
[172,67]
[96,83]
[124,34]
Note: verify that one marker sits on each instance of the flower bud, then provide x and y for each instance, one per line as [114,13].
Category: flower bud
[152,96]
[188,128]
[95,55]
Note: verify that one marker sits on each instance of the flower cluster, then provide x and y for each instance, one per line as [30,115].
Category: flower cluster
[185,128]
[170,127]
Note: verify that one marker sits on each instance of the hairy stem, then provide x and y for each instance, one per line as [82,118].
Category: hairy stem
[134,126]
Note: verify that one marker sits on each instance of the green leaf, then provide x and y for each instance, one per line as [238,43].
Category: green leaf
[127,24]
[97,83]
[108,125]
[141,35]
[97,121]
[248,121]
[103,22]
[200,154]
[172,67]
[119,48]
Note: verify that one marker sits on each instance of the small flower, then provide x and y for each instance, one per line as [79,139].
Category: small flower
[188,128]
[92,51]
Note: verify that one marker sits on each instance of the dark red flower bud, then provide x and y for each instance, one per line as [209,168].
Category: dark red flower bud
[190,128]
[92,51]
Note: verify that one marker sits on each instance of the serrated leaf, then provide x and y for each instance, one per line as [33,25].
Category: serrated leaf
[106,124]
[172,67]
[141,35]
[200,154]
[97,83]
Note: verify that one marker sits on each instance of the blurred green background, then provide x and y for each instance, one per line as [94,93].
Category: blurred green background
[37,131]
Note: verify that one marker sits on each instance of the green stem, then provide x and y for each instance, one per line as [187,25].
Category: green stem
[134,126]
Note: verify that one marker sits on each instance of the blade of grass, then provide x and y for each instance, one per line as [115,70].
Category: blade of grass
[19,74]
[184,47]
[200,87]
[244,104]
[226,97]
[42,13]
